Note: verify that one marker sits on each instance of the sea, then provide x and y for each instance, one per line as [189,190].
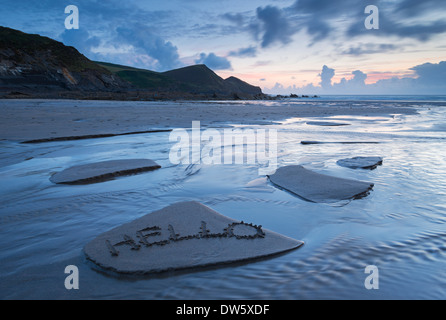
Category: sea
[399,228]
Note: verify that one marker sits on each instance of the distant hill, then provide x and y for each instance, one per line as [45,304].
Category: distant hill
[235,84]
[36,66]
[139,78]
[197,79]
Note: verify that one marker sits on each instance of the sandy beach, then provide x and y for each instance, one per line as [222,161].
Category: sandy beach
[23,120]
[236,151]
[398,225]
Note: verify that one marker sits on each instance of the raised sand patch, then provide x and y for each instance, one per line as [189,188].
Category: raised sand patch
[183,236]
[102,171]
[318,187]
[361,162]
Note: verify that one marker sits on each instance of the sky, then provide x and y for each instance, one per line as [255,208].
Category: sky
[283,46]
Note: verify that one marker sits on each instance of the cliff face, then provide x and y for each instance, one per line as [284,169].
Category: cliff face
[36,66]
[31,63]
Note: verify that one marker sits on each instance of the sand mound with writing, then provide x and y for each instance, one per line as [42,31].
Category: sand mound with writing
[183,236]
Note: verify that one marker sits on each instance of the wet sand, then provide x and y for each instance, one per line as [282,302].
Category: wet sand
[399,227]
[24,120]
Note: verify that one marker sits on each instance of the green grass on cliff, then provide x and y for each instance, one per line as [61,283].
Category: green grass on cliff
[33,44]
[144,79]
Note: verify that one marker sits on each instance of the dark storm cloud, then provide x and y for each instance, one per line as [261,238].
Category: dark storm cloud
[321,18]
[274,25]
[392,25]
[317,16]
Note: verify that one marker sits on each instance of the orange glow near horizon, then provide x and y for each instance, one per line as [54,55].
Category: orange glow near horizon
[290,79]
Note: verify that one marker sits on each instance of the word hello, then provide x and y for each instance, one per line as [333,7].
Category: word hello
[229,146]
[237,230]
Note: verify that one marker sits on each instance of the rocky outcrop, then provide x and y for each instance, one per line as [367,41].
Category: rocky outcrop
[37,65]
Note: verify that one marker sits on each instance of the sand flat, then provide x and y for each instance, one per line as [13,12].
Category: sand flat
[24,120]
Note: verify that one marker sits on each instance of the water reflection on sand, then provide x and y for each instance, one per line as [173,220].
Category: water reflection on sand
[399,227]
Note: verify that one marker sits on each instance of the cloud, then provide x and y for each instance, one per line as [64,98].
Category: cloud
[149,33]
[355,84]
[281,89]
[318,17]
[81,40]
[244,52]
[431,74]
[428,78]
[399,28]
[214,62]
[262,63]
[274,25]
[359,78]
[236,18]
[326,75]
[415,7]
[324,18]
[146,42]
[370,48]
